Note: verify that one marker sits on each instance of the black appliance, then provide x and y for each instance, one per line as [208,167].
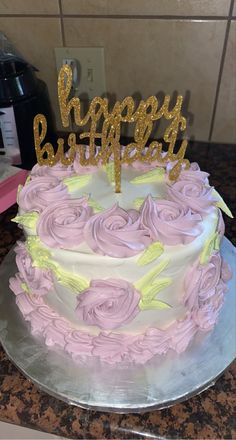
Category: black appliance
[22,96]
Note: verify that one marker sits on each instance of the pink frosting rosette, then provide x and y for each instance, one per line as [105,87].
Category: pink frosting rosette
[39,281]
[139,351]
[226,272]
[58,170]
[27,304]
[108,304]
[111,347]
[83,169]
[61,224]
[205,290]
[221,224]
[181,333]
[41,192]
[194,173]
[55,332]
[40,318]
[15,284]
[169,222]
[147,166]
[206,316]
[193,194]
[78,344]
[201,282]
[116,233]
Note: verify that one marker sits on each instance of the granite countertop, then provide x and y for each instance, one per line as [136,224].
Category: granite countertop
[208,415]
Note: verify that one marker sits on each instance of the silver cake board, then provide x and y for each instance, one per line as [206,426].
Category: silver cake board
[161,382]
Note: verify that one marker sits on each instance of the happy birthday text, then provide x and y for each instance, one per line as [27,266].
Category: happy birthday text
[143,117]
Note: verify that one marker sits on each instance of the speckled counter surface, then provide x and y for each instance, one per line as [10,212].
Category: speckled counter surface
[208,415]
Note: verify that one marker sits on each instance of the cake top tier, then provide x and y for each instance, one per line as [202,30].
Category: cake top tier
[69,206]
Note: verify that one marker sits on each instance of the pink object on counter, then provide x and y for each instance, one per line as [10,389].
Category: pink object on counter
[8,189]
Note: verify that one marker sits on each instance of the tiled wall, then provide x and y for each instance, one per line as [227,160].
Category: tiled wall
[151,46]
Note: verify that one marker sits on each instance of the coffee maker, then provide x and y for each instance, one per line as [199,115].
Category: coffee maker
[22,96]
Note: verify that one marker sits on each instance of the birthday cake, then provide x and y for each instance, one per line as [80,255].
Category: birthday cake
[121,258]
[122,277]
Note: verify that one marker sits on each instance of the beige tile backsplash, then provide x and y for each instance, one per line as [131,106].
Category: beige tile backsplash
[144,54]
[225,120]
[143,62]
[35,38]
[29,7]
[146,7]
[234,9]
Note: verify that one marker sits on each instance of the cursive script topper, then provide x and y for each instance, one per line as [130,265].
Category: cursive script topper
[143,116]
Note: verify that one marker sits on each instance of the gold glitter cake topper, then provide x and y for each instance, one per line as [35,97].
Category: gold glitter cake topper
[143,116]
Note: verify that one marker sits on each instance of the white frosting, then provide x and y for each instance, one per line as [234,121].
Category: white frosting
[93,266]
[103,191]
[84,262]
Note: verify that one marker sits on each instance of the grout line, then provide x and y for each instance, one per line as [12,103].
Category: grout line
[221,70]
[117,16]
[149,17]
[62,25]
[30,15]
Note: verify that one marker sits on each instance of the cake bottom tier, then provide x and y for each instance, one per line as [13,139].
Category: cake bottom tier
[203,300]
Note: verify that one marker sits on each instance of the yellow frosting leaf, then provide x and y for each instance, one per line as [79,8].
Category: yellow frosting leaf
[138,202]
[149,278]
[36,250]
[207,249]
[211,244]
[155,175]
[217,242]
[151,253]
[154,304]
[42,258]
[76,182]
[149,287]
[110,172]
[75,282]
[25,287]
[29,219]
[28,179]
[150,292]
[95,205]
[18,192]
[221,204]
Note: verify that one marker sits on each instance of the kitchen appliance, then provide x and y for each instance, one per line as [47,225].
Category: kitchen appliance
[22,96]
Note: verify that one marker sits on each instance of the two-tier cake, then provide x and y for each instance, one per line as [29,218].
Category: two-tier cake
[119,276]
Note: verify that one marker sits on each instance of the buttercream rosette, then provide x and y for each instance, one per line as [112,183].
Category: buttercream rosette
[61,225]
[205,289]
[40,192]
[148,166]
[78,344]
[58,170]
[169,222]
[193,194]
[83,169]
[40,318]
[194,173]
[112,347]
[108,304]
[117,233]
[39,281]
[56,330]
[27,305]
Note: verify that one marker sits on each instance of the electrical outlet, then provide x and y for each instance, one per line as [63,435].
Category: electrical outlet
[87,65]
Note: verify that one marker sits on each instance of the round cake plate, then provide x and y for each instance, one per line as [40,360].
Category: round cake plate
[161,382]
